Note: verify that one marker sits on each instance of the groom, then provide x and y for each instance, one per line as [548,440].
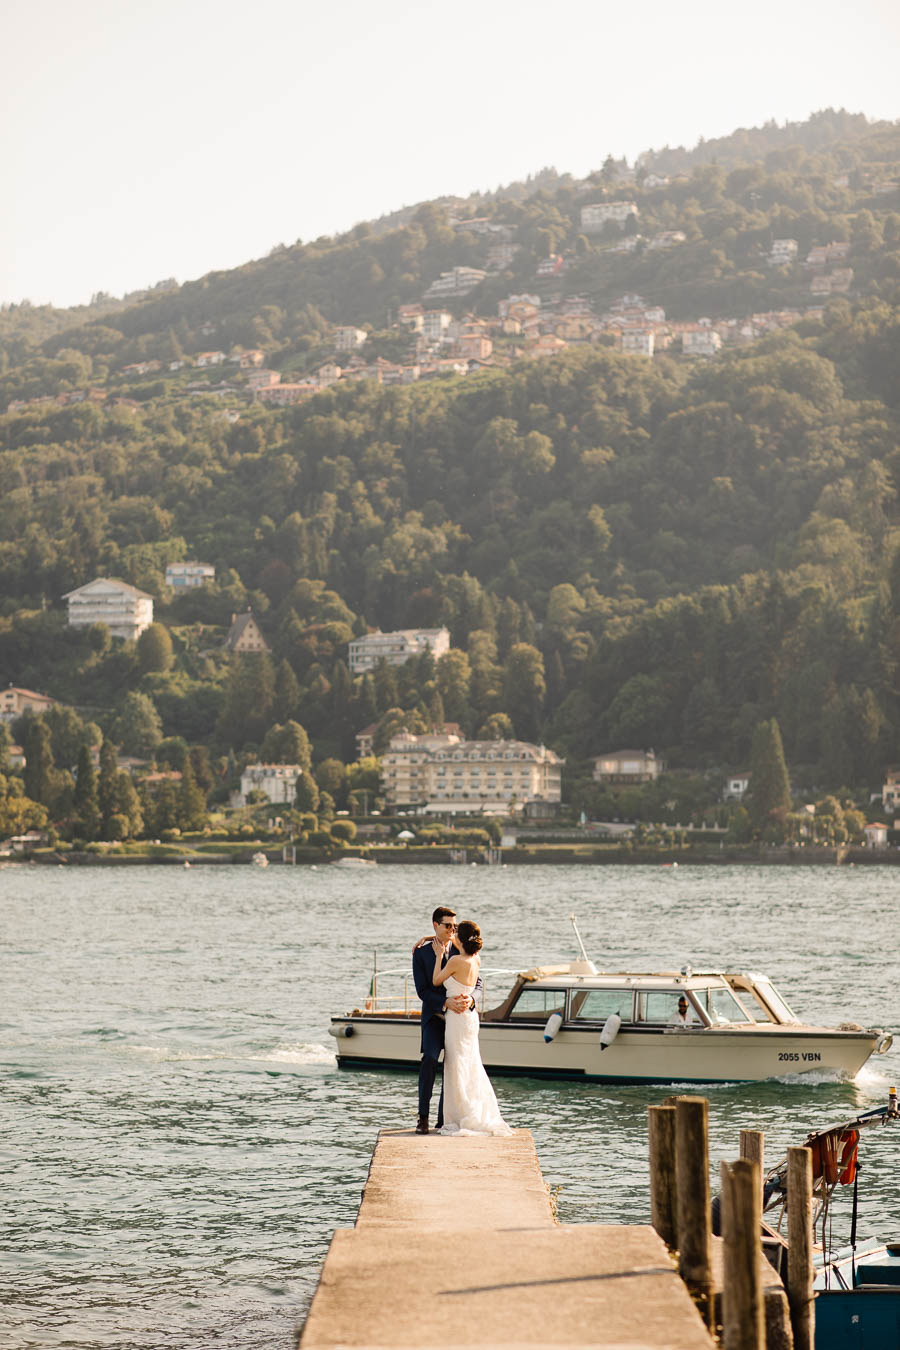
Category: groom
[435,1003]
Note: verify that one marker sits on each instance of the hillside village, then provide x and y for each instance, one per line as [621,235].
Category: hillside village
[602,441]
[524,327]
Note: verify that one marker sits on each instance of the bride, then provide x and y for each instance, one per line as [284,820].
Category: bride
[470,1106]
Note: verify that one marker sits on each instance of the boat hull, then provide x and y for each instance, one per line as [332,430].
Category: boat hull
[645,1055]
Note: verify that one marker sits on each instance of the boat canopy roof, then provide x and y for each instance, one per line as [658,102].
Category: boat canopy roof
[570,977]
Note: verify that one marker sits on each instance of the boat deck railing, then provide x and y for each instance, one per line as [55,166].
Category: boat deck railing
[400,998]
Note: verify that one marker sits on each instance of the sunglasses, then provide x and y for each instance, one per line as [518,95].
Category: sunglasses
[452,926]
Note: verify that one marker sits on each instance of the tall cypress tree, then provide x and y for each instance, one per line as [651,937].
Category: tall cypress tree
[106,786]
[770,789]
[191,800]
[87,805]
[38,762]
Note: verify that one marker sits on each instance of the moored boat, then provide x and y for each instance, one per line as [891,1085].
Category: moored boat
[572,1021]
[857,1287]
[353,862]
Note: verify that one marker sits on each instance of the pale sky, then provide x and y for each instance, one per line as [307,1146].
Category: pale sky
[148,140]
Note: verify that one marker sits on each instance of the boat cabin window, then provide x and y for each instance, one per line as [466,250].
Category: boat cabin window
[595,1005]
[721,1005]
[536,1005]
[752,1001]
[661,1007]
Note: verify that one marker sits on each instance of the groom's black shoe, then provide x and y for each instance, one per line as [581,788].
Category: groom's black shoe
[421,1125]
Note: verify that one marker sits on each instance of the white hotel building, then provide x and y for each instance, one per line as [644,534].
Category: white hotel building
[438,774]
[124,609]
[396,648]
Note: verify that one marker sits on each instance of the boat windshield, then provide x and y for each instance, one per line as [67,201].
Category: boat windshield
[775,1001]
[721,1005]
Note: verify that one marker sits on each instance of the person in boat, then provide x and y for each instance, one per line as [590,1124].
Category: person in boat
[470,1106]
[682,1016]
[436,1002]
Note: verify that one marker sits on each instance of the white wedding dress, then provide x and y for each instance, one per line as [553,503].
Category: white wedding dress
[470,1106]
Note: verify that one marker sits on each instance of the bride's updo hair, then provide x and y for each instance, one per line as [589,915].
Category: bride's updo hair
[469,935]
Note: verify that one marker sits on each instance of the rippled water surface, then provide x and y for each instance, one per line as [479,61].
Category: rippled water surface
[177,1145]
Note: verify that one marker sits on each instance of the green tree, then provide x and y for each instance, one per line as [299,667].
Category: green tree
[191,800]
[164,807]
[497,727]
[249,699]
[18,813]
[288,744]
[331,776]
[106,784]
[128,807]
[154,649]
[38,774]
[307,793]
[770,791]
[87,804]
[453,674]
[287,692]
[137,729]
[524,689]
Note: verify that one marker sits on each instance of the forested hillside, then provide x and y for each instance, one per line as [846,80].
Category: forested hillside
[656,552]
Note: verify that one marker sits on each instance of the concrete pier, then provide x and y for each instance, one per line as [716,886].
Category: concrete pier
[456,1244]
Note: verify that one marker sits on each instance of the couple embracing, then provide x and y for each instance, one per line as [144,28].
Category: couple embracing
[445,970]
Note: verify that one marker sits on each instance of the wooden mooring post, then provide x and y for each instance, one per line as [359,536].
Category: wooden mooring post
[743,1319]
[753,1148]
[800,1247]
[663,1188]
[693,1206]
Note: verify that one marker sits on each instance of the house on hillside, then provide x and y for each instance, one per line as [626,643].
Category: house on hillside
[396,648]
[890,792]
[876,834]
[186,576]
[277,782]
[596,215]
[626,768]
[347,338]
[736,786]
[124,609]
[15,701]
[244,635]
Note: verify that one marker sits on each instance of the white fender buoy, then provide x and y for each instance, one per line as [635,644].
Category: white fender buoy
[610,1030]
[342,1031]
[554,1022]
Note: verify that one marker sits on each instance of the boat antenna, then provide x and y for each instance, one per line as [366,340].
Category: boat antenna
[578,935]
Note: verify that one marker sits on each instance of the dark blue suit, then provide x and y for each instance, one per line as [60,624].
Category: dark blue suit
[433,997]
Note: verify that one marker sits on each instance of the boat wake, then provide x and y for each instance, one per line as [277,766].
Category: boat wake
[298,1052]
[301,1052]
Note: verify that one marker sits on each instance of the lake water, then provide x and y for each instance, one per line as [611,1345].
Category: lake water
[177,1145]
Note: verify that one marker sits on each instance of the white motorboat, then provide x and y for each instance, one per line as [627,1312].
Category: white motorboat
[354,862]
[572,1021]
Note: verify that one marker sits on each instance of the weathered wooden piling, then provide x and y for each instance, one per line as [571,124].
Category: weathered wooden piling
[693,1205]
[743,1323]
[663,1188]
[753,1148]
[800,1247]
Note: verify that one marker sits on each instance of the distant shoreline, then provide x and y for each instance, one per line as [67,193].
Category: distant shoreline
[530,856]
